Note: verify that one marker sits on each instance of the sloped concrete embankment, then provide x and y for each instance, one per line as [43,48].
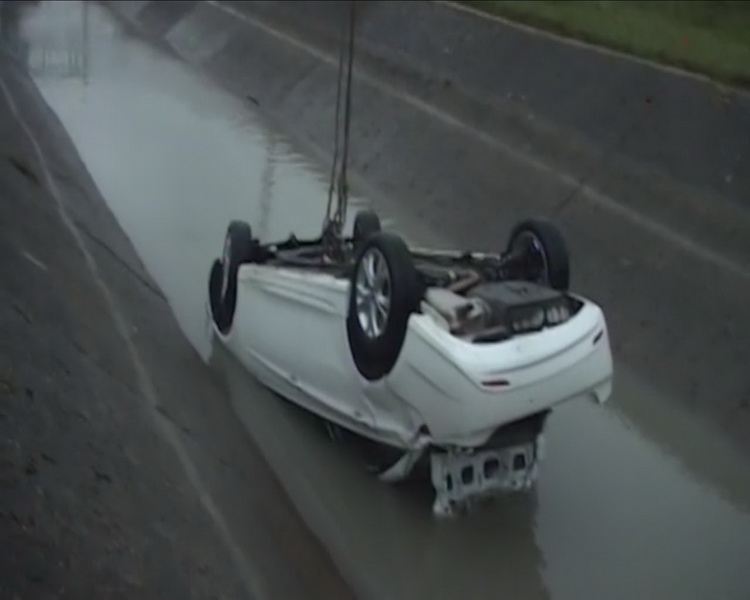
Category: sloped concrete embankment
[120,458]
[469,125]
[92,499]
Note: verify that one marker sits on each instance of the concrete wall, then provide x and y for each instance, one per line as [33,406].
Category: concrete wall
[468,125]
[693,130]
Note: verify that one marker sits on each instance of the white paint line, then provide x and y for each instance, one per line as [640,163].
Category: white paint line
[35,261]
[586,192]
[672,70]
[251,577]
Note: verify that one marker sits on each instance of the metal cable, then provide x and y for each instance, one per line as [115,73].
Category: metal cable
[343,187]
[336,134]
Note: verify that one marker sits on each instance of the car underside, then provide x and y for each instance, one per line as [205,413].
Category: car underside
[482,297]
[403,307]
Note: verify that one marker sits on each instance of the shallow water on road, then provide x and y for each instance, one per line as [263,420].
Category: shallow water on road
[634,500]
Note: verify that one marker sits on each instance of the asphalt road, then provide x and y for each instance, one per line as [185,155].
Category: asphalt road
[639,499]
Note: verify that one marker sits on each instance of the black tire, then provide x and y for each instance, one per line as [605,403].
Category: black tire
[366,223]
[239,248]
[214,297]
[556,265]
[375,355]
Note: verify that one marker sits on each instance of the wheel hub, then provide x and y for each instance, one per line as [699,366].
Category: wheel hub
[373,293]
[534,259]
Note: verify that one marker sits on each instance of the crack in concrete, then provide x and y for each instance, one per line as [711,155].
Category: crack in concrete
[24,169]
[21,312]
[121,261]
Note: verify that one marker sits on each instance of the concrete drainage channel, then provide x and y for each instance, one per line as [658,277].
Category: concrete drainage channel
[426,160]
[418,144]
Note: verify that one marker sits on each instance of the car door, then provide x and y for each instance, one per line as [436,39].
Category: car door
[295,323]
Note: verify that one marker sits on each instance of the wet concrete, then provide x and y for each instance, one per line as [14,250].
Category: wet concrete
[92,503]
[111,485]
[638,499]
[695,130]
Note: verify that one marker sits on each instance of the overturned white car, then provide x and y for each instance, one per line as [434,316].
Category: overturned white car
[446,360]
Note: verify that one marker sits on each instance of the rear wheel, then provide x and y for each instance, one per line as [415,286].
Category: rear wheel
[383,293]
[366,223]
[540,251]
[239,248]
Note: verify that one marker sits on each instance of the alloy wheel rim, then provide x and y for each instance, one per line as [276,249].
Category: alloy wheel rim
[373,293]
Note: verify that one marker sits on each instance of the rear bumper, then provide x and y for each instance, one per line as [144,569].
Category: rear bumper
[465,391]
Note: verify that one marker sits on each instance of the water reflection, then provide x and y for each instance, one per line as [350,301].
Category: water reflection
[63,52]
[175,158]
[11,15]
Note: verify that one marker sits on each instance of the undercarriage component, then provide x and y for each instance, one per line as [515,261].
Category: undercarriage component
[523,306]
[537,252]
[401,469]
[461,477]
[460,313]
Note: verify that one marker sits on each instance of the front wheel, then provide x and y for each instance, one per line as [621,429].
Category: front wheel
[383,292]
[366,224]
[239,248]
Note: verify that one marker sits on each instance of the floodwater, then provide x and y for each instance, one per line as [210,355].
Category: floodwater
[634,500]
